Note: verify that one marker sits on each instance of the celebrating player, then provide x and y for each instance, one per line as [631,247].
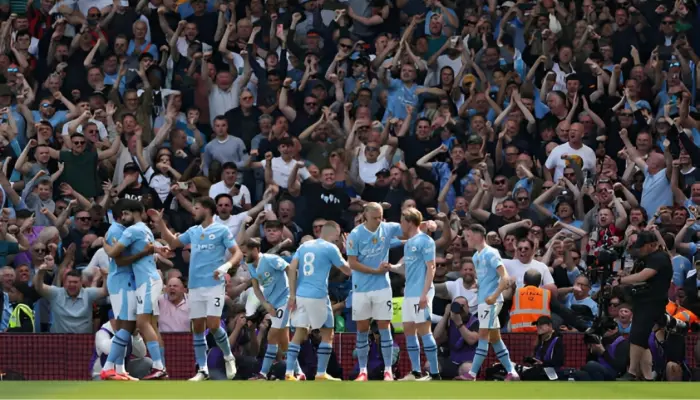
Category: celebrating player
[312,310]
[493,279]
[271,272]
[367,248]
[210,243]
[122,296]
[135,239]
[419,261]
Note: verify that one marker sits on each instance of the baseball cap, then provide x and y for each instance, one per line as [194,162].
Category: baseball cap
[131,167]
[383,172]
[475,139]
[507,4]
[644,238]
[543,320]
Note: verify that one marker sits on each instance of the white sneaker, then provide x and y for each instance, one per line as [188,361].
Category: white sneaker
[424,378]
[230,368]
[201,376]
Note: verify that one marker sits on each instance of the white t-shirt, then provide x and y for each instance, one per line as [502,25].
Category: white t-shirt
[221,188]
[281,171]
[456,289]
[555,162]
[233,223]
[100,128]
[368,171]
[517,270]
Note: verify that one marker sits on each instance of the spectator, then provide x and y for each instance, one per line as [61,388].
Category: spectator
[174,309]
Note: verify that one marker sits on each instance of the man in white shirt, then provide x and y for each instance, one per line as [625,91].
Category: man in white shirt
[228,185]
[524,252]
[572,151]
[372,161]
[282,166]
[463,287]
[224,205]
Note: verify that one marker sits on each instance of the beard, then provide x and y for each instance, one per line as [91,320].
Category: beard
[198,219]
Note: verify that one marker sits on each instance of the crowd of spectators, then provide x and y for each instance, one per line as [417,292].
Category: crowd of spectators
[565,127]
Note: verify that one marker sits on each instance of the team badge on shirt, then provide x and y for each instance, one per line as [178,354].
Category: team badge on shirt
[374,240]
[212,236]
[202,236]
[350,244]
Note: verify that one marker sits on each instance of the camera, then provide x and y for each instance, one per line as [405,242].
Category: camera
[676,326]
[456,307]
[594,334]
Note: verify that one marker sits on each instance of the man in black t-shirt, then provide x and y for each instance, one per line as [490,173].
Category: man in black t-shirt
[135,187]
[654,269]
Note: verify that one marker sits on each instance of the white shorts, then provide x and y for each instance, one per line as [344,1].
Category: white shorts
[281,318]
[313,313]
[206,301]
[374,305]
[124,305]
[147,297]
[488,315]
[410,311]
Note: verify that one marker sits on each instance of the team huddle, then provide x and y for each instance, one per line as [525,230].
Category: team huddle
[294,294]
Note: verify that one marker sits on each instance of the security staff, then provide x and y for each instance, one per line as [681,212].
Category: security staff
[531,302]
[651,280]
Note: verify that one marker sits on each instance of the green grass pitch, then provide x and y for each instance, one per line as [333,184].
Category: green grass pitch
[347,390]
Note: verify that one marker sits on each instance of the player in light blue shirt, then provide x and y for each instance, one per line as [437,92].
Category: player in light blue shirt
[136,238]
[312,309]
[367,249]
[492,278]
[270,279]
[211,245]
[419,264]
[121,287]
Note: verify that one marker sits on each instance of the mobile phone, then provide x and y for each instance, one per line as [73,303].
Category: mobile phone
[183,185]
[268,207]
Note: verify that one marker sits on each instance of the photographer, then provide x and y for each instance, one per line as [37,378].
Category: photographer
[459,331]
[549,353]
[607,353]
[650,284]
[667,348]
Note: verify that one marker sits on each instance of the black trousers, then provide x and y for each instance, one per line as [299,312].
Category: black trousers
[595,371]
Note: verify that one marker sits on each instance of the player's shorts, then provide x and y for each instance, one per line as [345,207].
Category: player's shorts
[374,305]
[313,313]
[488,315]
[281,318]
[147,297]
[207,301]
[124,305]
[410,311]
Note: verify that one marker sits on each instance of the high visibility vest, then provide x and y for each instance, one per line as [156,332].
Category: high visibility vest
[397,316]
[673,308]
[687,316]
[529,303]
[16,321]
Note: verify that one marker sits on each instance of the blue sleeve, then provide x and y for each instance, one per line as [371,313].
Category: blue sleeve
[351,247]
[296,255]
[253,272]
[227,238]
[428,249]
[692,248]
[280,264]
[335,256]
[394,84]
[128,237]
[393,229]
[186,238]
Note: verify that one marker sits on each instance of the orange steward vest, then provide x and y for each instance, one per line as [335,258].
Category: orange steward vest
[529,303]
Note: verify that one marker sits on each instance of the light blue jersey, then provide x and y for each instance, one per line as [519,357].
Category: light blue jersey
[316,258]
[371,249]
[418,250]
[486,262]
[119,278]
[209,251]
[135,238]
[272,278]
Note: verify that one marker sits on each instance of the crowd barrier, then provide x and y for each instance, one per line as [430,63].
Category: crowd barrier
[67,357]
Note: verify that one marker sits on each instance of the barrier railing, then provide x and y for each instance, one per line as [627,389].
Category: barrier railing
[67,357]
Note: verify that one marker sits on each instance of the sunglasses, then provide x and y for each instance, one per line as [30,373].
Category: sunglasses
[79,142]
[500,182]
[614,304]
[47,105]
[345,46]
[522,199]
[523,249]
[83,219]
[372,148]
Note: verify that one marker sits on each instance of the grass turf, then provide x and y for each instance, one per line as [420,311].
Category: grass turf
[347,390]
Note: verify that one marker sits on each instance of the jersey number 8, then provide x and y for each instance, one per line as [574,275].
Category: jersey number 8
[308,267]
